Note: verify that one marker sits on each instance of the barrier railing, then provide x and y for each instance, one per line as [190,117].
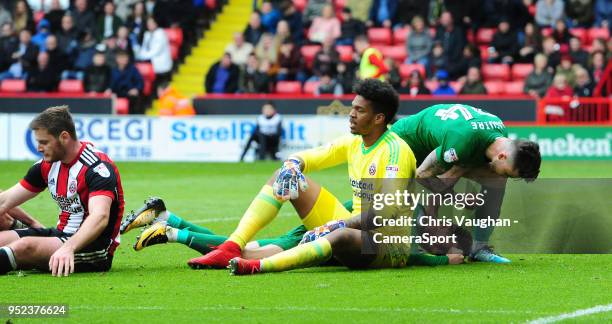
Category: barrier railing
[575,111]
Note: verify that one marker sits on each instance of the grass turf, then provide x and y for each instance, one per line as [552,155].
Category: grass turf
[156,285]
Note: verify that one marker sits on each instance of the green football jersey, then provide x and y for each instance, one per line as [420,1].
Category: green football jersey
[460,134]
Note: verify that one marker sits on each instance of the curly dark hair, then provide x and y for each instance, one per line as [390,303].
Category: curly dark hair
[527,159]
[381,95]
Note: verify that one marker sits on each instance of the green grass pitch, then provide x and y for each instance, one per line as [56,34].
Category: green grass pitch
[156,285]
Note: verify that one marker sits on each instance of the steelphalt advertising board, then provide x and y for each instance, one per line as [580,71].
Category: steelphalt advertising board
[222,138]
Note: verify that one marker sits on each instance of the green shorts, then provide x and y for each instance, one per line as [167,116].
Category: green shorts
[287,241]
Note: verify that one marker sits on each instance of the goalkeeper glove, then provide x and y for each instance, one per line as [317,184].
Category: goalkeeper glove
[322,231]
[289,179]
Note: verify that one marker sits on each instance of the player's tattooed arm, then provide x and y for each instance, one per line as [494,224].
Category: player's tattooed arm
[432,174]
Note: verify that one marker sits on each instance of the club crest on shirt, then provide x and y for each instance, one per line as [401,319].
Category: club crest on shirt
[450,156]
[102,170]
[372,169]
[72,188]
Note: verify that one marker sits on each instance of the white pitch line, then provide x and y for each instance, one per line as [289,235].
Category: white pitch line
[578,313]
[224,219]
[304,308]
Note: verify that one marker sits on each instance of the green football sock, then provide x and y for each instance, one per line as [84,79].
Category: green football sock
[179,223]
[200,242]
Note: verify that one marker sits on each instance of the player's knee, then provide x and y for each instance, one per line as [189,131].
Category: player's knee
[339,237]
[24,247]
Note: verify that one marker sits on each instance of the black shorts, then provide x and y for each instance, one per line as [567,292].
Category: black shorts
[93,258]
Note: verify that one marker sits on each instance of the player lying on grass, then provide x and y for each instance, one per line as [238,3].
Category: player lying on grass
[17,218]
[167,227]
[86,186]
[375,153]
[451,141]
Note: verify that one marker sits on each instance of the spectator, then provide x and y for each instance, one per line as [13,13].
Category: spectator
[267,49]
[548,12]
[560,33]
[493,11]
[598,45]
[125,7]
[598,66]
[267,133]
[451,37]
[84,58]
[325,60]
[109,23]
[473,83]
[156,48]
[5,16]
[436,8]
[67,38]
[136,22]
[327,85]
[418,43]
[22,17]
[350,28]
[467,12]
[580,12]
[559,88]
[123,41]
[408,9]
[471,58]
[415,85]
[314,8]
[584,86]
[269,17]
[504,44]
[603,13]
[9,43]
[437,60]
[294,18]
[126,82]
[371,64]
[150,7]
[46,5]
[98,75]
[223,76]
[54,16]
[577,54]
[84,19]
[23,59]
[444,89]
[551,49]
[393,76]
[110,50]
[288,62]
[43,78]
[530,43]
[254,30]
[255,76]
[57,58]
[41,36]
[239,49]
[324,26]
[382,12]
[539,79]
[282,33]
[345,76]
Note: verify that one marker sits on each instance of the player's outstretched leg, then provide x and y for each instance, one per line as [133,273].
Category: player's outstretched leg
[146,215]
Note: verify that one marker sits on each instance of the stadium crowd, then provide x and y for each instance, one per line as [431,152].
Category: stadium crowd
[93,45]
[442,47]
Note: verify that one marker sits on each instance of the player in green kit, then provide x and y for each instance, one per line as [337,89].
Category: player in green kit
[451,141]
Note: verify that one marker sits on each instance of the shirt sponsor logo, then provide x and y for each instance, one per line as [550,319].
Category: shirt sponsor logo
[450,156]
[102,170]
[391,171]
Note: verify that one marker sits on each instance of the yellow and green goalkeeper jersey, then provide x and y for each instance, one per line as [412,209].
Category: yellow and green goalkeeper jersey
[460,134]
[390,157]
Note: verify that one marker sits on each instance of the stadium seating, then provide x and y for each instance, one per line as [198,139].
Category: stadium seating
[432,85]
[300,4]
[380,36]
[122,106]
[484,36]
[308,53]
[346,52]
[310,87]
[521,70]
[456,85]
[148,75]
[13,86]
[397,53]
[491,72]
[71,86]
[406,69]
[595,33]
[175,35]
[581,33]
[400,35]
[514,87]
[289,87]
[494,87]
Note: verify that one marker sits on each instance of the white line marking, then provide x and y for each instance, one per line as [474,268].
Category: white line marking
[227,219]
[304,308]
[578,313]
